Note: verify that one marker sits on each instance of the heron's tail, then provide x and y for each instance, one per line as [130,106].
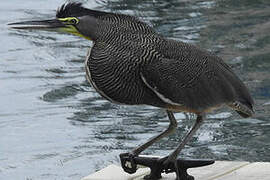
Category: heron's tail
[244,109]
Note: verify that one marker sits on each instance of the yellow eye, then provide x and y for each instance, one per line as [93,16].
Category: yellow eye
[70,20]
[74,21]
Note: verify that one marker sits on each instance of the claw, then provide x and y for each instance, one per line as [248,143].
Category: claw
[167,165]
[128,163]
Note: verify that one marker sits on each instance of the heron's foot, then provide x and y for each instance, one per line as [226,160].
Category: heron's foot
[160,165]
[128,162]
[167,164]
[171,164]
[180,166]
[156,170]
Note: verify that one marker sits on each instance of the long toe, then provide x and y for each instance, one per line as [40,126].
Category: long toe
[167,165]
[156,169]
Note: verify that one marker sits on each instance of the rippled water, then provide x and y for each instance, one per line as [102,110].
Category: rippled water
[53,125]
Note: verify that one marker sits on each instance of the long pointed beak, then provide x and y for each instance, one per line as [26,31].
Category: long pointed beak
[48,25]
[52,24]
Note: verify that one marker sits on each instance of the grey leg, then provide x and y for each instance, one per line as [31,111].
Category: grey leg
[169,163]
[171,128]
[172,157]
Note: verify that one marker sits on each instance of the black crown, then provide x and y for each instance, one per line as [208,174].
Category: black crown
[76,9]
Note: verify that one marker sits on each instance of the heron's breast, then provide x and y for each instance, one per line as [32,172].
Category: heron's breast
[116,81]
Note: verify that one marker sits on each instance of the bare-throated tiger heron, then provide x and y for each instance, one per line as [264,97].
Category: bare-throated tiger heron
[130,63]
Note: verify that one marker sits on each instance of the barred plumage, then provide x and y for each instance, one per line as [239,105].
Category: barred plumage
[181,73]
[130,63]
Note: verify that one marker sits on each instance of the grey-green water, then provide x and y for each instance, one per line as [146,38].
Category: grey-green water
[53,125]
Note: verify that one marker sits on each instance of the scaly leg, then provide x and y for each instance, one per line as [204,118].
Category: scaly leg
[173,156]
[131,168]
[171,128]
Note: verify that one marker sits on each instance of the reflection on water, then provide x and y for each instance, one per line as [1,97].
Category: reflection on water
[53,125]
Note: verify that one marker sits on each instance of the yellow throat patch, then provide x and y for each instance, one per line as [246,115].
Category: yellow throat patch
[70,28]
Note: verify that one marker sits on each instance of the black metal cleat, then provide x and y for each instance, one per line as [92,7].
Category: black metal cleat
[129,164]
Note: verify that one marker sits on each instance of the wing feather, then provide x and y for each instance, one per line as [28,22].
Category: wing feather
[198,81]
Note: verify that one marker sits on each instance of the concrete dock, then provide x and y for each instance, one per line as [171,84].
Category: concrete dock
[220,170]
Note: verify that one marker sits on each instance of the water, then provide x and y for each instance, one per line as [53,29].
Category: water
[53,125]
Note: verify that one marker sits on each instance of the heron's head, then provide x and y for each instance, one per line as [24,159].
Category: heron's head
[70,18]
